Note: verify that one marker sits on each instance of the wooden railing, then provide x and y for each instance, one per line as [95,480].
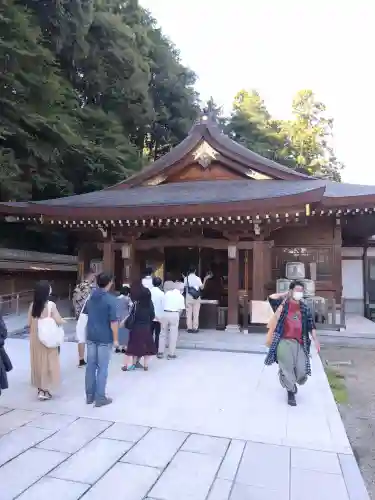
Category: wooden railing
[327,314]
[16,303]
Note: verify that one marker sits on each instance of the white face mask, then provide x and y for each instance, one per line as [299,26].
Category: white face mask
[297,295]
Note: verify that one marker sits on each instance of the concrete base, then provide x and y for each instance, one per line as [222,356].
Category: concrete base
[233,329]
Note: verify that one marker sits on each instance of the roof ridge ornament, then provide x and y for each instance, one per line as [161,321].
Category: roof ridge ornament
[205,154]
[206,115]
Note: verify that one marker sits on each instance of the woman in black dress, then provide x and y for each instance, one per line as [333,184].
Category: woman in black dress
[141,343]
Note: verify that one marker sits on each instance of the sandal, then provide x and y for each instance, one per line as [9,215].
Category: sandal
[128,368]
[43,395]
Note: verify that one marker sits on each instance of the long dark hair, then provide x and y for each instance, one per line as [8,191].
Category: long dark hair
[41,294]
[140,294]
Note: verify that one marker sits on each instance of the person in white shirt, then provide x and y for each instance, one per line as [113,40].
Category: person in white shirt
[173,305]
[157,297]
[168,283]
[193,288]
[147,280]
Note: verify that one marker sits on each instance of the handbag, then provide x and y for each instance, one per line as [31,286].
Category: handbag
[193,292]
[81,328]
[50,334]
[81,325]
[130,320]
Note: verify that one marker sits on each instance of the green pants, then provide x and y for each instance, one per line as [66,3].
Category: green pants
[292,364]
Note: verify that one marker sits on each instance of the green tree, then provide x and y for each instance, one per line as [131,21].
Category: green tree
[250,124]
[310,136]
[303,143]
[85,86]
[31,95]
[49,142]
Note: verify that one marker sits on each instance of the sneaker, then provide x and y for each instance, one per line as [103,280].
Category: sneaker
[139,365]
[160,355]
[190,330]
[291,399]
[172,356]
[82,363]
[117,350]
[196,330]
[103,402]
[89,400]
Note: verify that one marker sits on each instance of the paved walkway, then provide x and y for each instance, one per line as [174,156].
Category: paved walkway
[208,426]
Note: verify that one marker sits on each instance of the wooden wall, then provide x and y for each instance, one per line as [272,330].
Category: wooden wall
[315,242]
[196,172]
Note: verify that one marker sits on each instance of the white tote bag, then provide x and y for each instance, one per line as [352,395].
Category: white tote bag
[82,325]
[50,334]
[81,328]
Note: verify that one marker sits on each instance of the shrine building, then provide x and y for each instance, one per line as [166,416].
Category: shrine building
[215,204]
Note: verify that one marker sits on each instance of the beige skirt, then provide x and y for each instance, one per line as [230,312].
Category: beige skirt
[45,362]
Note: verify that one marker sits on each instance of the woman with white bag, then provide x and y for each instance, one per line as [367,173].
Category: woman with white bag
[46,336]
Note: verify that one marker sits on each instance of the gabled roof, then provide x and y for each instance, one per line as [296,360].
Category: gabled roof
[206,129]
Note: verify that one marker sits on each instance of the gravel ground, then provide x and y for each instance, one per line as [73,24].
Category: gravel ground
[359,414]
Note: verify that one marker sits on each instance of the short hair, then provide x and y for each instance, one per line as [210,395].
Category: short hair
[156,281]
[192,268]
[125,290]
[148,271]
[295,283]
[104,279]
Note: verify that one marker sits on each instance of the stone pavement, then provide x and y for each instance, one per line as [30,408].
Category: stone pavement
[208,426]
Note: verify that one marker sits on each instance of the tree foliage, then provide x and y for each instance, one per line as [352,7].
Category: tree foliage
[303,143]
[87,89]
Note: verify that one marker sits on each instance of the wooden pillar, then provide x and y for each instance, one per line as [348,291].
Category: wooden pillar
[131,271]
[259,274]
[83,262]
[337,261]
[108,257]
[233,287]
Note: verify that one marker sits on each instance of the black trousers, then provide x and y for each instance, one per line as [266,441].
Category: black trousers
[156,327]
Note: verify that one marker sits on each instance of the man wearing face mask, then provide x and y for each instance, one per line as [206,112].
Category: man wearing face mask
[290,346]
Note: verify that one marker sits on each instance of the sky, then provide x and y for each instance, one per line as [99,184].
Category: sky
[279,47]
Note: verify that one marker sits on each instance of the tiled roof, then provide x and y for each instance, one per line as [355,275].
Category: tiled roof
[188,193]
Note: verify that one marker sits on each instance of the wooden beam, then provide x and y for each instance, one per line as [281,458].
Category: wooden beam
[108,257]
[259,278]
[337,264]
[233,287]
